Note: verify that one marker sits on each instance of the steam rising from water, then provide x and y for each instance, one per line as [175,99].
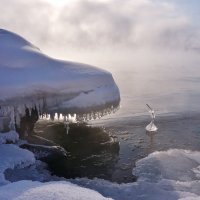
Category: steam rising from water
[151,47]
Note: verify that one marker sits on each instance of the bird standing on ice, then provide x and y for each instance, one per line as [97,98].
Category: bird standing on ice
[151,127]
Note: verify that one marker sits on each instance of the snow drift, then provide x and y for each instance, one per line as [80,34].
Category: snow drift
[28,190]
[12,156]
[9,137]
[166,175]
[27,76]
[163,175]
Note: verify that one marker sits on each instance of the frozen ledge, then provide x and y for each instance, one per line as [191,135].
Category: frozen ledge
[29,77]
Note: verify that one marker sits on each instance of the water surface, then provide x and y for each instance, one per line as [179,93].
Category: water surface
[174,93]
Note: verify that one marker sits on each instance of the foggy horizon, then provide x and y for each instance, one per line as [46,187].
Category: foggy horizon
[109,34]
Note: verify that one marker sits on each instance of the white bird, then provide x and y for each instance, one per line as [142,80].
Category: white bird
[151,127]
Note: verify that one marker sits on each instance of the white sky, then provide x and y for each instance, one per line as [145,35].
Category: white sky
[59,2]
[102,32]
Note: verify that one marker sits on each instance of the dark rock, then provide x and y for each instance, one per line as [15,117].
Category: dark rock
[35,139]
[46,153]
[92,150]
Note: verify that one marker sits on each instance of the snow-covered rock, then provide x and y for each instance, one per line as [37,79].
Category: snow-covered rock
[174,164]
[27,76]
[12,156]
[166,175]
[46,153]
[28,190]
[8,137]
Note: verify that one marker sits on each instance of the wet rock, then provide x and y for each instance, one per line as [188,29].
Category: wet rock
[92,151]
[35,139]
[46,153]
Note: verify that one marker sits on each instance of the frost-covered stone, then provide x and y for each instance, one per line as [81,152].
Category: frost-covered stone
[166,175]
[28,190]
[9,137]
[12,156]
[29,77]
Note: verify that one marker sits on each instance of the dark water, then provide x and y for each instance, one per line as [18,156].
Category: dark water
[91,151]
[179,132]
[174,93]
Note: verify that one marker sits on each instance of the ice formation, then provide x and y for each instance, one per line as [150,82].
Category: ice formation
[30,79]
[28,190]
[166,175]
[12,156]
[11,136]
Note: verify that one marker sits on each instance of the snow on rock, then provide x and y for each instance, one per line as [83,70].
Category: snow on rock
[104,95]
[174,164]
[27,76]
[12,156]
[166,175]
[28,190]
[8,137]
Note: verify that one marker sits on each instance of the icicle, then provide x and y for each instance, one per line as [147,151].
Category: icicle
[69,117]
[61,117]
[73,119]
[48,117]
[84,117]
[56,117]
[66,124]
[12,119]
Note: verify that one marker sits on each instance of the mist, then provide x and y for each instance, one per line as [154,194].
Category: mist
[141,39]
[103,31]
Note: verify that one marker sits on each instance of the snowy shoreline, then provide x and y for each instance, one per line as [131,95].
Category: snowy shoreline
[170,175]
[32,81]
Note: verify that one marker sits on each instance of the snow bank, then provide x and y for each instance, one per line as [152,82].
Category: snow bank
[174,164]
[11,136]
[28,190]
[83,100]
[167,175]
[26,74]
[12,156]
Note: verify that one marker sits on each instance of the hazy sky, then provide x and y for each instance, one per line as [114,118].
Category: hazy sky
[107,32]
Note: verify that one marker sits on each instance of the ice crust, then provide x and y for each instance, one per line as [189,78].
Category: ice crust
[28,76]
[165,175]
[12,156]
[11,136]
[28,190]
